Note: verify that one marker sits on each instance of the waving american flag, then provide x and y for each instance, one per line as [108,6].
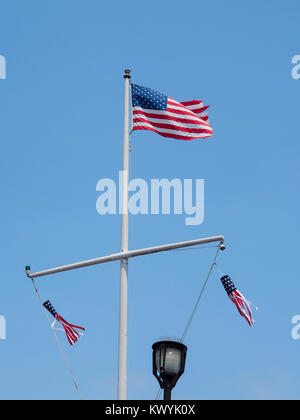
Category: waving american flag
[70,329]
[242,304]
[179,120]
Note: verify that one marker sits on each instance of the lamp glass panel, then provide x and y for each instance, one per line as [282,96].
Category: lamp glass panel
[159,355]
[173,360]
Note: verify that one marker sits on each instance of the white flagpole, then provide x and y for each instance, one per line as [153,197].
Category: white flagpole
[122,365]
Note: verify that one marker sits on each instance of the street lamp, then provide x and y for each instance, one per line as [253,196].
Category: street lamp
[168,364]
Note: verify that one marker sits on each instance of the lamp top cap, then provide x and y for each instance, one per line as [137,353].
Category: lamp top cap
[169,343]
[127,73]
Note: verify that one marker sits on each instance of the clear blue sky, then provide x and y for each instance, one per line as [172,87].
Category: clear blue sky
[61,110]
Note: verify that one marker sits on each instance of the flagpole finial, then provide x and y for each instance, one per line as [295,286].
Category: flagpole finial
[127,74]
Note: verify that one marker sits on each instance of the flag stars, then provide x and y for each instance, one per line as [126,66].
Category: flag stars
[148,98]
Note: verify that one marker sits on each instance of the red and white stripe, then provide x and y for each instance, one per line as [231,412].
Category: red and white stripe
[243,306]
[70,329]
[183,121]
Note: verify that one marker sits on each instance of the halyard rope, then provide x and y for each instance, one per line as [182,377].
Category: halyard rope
[199,298]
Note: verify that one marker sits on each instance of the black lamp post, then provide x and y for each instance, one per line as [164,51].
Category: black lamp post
[168,364]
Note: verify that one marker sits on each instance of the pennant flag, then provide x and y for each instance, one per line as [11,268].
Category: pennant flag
[179,120]
[70,330]
[243,306]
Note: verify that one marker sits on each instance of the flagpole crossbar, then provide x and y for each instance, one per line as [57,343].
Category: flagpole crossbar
[119,256]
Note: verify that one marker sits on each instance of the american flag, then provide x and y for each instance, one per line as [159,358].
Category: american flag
[179,120]
[243,306]
[70,329]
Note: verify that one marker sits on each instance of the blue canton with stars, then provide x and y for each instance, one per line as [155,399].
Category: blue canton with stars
[148,98]
[228,284]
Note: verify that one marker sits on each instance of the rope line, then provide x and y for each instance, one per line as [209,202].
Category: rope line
[158,394]
[219,270]
[199,298]
[58,343]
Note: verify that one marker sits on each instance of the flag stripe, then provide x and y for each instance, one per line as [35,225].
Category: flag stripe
[173,130]
[169,118]
[180,110]
[173,136]
[197,109]
[189,128]
[192,105]
[187,103]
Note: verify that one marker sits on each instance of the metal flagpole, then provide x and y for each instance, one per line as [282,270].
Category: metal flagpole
[122,361]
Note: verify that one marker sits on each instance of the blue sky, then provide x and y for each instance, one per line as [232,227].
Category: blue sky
[61,109]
